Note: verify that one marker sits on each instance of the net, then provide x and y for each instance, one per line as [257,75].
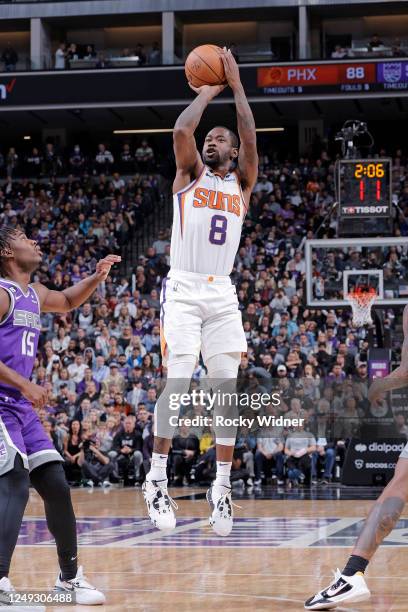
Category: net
[361,299]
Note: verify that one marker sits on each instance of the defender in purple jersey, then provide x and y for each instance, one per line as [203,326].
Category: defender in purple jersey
[26,453]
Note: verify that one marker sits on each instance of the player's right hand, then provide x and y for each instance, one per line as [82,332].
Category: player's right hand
[210,91]
[35,394]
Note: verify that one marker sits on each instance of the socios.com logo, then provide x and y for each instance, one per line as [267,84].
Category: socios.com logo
[359,463]
[360,448]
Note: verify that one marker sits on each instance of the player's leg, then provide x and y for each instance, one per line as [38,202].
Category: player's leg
[160,506]
[349,585]
[222,373]
[49,481]
[48,478]
[14,486]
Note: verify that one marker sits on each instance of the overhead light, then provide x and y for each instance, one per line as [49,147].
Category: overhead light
[271,129]
[26,137]
[145,131]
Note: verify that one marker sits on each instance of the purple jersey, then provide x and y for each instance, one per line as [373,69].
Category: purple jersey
[19,333]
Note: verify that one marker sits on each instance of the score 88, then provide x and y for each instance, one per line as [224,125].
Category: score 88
[355,72]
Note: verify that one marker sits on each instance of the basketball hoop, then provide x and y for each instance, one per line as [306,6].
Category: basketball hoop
[361,300]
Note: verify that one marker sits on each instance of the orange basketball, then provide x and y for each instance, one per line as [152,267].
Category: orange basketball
[204,66]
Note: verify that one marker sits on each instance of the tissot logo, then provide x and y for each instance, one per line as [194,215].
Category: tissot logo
[6,89]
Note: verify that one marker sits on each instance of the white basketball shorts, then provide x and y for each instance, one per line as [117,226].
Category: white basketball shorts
[199,312]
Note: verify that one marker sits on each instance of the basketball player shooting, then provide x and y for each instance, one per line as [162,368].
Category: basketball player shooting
[199,306]
[27,454]
[349,585]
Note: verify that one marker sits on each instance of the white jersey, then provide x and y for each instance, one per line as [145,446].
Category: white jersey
[207,224]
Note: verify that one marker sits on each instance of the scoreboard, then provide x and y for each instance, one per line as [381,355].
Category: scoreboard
[333,77]
[364,197]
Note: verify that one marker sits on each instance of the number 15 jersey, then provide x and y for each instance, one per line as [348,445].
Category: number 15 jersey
[19,333]
[207,224]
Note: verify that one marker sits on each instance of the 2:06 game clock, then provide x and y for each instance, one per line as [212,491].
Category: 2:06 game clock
[365,187]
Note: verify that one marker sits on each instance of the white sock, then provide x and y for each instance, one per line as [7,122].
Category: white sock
[158,467]
[223,474]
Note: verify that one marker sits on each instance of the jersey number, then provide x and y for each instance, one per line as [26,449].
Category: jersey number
[27,343]
[218,232]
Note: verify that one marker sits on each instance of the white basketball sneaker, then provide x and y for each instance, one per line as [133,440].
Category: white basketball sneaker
[6,602]
[343,589]
[85,592]
[160,506]
[222,514]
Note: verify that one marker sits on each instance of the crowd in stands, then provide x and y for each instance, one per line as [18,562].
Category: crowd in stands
[67,55]
[374,47]
[52,161]
[102,363]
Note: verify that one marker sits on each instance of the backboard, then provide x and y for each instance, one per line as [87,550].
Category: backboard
[333,267]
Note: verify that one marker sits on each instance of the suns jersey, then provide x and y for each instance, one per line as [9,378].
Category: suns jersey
[207,224]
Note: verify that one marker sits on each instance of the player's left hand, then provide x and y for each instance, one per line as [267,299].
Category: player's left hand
[231,68]
[104,265]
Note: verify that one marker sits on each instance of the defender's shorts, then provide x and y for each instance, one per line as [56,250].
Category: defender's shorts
[199,312]
[21,432]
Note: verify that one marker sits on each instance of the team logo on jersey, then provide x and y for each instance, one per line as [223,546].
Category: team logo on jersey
[25,318]
[217,200]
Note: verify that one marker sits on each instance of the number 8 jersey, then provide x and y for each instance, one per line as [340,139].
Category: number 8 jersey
[207,224]
[19,333]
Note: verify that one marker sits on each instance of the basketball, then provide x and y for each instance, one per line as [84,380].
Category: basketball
[204,66]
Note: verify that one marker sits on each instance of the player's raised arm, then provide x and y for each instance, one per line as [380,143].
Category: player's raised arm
[188,160]
[399,377]
[68,299]
[248,154]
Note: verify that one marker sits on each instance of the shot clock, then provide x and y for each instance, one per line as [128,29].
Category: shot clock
[364,191]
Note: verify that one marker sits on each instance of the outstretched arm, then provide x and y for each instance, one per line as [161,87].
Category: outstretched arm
[188,160]
[68,299]
[399,377]
[248,154]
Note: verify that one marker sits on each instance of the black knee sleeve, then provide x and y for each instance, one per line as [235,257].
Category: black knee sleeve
[50,482]
[13,499]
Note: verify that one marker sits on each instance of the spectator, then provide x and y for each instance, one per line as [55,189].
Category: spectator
[375,42]
[128,444]
[144,156]
[269,452]
[90,52]
[60,56]
[139,52]
[10,58]
[154,58]
[95,465]
[103,160]
[185,450]
[339,52]
[34,164]
[299,447]
[102,61]
[72,446]
[72,54]
[11,161]
[77,161]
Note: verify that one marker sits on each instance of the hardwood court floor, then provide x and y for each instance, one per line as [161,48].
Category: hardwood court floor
[279,553]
